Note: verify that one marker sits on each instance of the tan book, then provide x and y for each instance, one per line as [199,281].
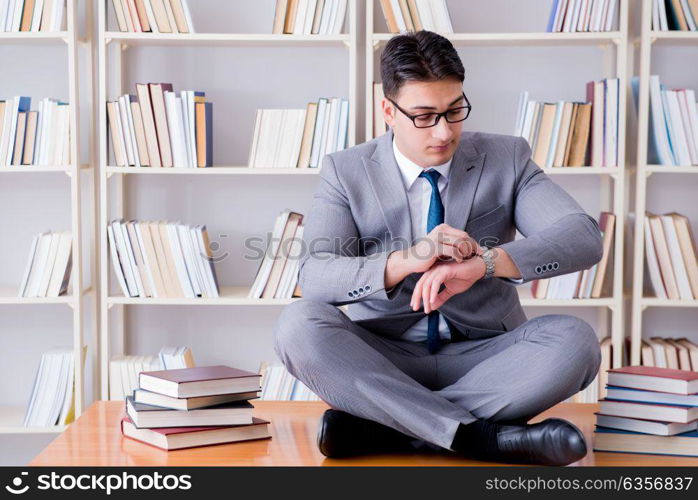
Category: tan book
[406,14]
[143,15]
[150,256]
[545,133]
[153,227]
[290,21]
[570,135]
[297,292]
[170,15]
[682,353]
[606,358]
[46,15]
[672,357]
[115,134]
[30,137]
[133,13]
[19,138]
[204,134]
[414,14]
[294,220]
[580,136]
[160,15]
[180,18]
[658,352]
[607,224]
[687,246]
[389,16]
[683,25]
[176,285]
[563,136]
[692,352]
[308,132]
[151,137]
[317,17]
[662,251]
[379,125]
[646,354]
[157,99]
[27,15]
[127,16]
[279,17]
[140,134]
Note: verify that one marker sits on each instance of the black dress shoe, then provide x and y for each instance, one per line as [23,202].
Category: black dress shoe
[551,442]
[344,435]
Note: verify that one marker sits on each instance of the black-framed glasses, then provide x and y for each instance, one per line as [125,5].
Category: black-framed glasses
[426,120]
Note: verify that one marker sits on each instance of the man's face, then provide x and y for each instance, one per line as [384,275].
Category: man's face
[426,146]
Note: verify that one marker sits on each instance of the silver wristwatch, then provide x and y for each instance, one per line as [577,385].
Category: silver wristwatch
[488,257]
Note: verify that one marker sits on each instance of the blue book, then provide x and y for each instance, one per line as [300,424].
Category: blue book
[551,21]
[622,441]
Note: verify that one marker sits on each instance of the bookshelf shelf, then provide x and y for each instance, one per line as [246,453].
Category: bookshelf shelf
[505,39]
[612,179]
[252,39]
[222,170]
[645,171]
[41,168]
[11,418]
[38,37]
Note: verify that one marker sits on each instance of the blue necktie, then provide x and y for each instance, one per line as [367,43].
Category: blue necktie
[435,217]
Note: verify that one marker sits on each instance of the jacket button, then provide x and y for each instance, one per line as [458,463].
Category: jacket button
[361,290]
[555,265]
[350,294]
[538,270]
[367,288]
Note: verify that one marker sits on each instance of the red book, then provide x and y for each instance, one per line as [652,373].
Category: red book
[653,378]
[176,438]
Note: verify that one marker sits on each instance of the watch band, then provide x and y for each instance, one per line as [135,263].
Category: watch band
[487,256]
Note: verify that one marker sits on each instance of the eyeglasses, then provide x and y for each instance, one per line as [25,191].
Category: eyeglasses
[426,120]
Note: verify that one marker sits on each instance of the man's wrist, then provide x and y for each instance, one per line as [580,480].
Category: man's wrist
[487,259]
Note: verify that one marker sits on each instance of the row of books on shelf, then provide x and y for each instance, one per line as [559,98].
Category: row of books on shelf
[31,15]
[124,368]
[277,275]
[309,17]
[648,409]
[681,15]
[666,352]
[591,283]
[279,385]
[48,269]
[569,16]
[673,124]
[162,259]
[571,134]
[299,138]
[670,256]
[195,406]
[416,15]
[156,16]
[161,128]
[52,399]
[34,137]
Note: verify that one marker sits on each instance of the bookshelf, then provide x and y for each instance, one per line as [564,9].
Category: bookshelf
[616,61]
[11,416]
[648,39]
[112,185]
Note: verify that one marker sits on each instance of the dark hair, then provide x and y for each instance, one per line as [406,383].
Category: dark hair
[418,56]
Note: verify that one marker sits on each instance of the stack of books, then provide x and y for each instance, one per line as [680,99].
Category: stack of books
[124,369]
[299,138]
[190,407]
[156,16]
[673,126]
[649,410]
[52,398]
[416,15]
[674,15]
[47,273]
[573,134]
[32,15]
[594,282]
[160,128]
[279,385]
[666,352]
[162,259]
[277,275]
[670,256]
[570,16]
[379,125]
[309,17]
[34,137]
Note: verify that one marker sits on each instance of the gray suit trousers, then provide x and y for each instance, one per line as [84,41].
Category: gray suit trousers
[512,376]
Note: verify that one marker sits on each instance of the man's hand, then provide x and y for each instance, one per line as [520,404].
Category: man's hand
[457,277]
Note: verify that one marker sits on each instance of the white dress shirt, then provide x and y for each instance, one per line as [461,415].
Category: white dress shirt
[418,197]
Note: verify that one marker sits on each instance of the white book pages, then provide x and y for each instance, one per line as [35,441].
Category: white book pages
[207,287]
[315,156]
[658,121]
[131,130]
[676,129]
[255,138]
[126,129]
[122,251]
[687,126]
[334,126]
[340,18]
[676,257]
[48,265]
[189,259]
[301,12]
[28,267]
[270,255]
[130,255]
[116,262]
[343,125]
[178,256]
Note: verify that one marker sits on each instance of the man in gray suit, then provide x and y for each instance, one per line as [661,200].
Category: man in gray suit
[415,231]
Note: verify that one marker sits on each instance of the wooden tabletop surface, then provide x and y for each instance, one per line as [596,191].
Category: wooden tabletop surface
[95,440]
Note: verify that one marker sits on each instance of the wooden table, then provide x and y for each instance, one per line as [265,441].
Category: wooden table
[95,440]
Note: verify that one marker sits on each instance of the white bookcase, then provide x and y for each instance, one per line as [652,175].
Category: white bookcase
[11,417]
[111,178]
[648,39]
[616,64]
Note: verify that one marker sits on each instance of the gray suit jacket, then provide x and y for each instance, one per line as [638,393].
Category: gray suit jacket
[360,214]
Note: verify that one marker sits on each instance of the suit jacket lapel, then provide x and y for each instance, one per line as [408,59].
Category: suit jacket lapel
[464,176]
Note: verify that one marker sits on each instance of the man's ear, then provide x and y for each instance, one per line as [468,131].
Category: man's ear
[388,111]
